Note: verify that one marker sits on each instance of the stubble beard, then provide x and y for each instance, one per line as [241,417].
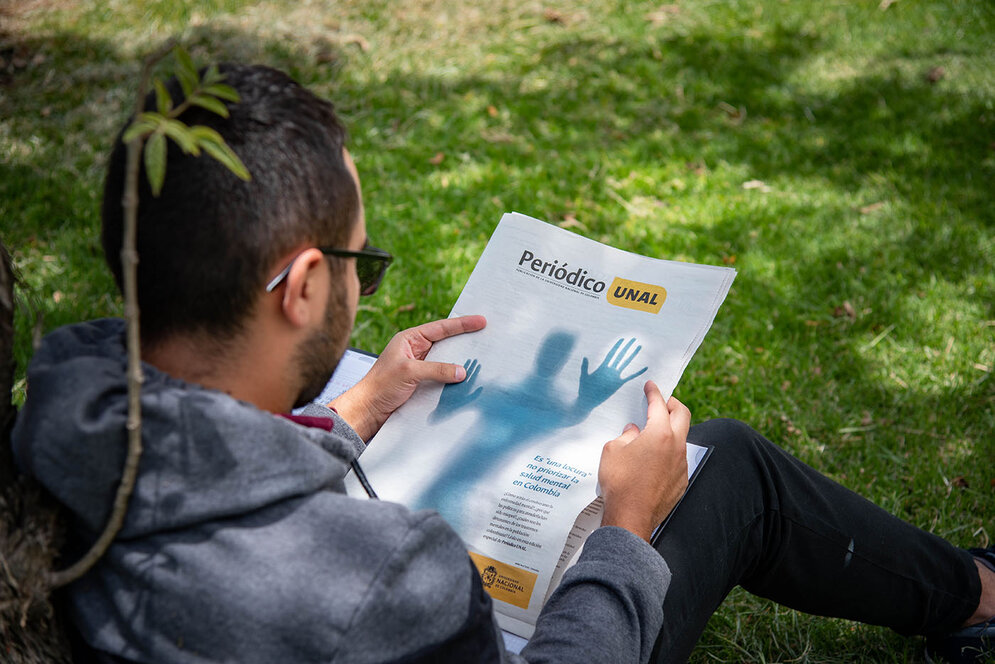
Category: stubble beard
[317,357]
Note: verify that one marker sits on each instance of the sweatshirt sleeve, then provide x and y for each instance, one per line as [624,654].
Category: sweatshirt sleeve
[608,607]
[339,426]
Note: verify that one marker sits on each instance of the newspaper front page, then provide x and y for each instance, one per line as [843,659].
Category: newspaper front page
[510,456]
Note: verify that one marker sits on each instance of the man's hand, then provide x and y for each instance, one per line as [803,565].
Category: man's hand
[398,371]
[644,473]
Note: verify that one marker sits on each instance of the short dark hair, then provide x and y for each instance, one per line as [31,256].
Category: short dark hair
[206,243]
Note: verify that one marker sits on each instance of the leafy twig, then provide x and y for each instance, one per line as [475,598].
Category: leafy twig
[208,93]
[150,130]
[129,260]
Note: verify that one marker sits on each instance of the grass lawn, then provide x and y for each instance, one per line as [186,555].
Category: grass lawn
[840,155]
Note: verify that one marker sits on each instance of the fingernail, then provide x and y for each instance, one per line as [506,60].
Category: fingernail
[629,427]
[460,373]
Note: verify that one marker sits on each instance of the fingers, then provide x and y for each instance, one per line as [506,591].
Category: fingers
[670,415]
[443,372]
[450,327]
[643,473]
[680,417]
[656,409]
[629,433]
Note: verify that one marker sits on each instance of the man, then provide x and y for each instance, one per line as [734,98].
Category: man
[240,543]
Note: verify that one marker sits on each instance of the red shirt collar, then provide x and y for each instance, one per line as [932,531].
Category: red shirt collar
[325,423]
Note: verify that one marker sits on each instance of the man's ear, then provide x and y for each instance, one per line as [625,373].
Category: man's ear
[305,294]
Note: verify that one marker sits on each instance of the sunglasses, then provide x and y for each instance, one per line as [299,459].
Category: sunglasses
[371,264]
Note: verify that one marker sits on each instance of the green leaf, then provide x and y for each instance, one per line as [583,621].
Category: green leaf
[186,71]
[222,91]
[145,123]
[155,161]
[182,135]
[204,134]
[185,62]
[162,99]
[140,127]
[212,75]
[210,103]
[187,82]
[214,145]
[228,158]
[153,117]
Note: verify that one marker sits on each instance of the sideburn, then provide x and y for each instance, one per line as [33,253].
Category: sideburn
[316,358]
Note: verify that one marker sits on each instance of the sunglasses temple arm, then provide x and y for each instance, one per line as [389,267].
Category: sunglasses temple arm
[278,278]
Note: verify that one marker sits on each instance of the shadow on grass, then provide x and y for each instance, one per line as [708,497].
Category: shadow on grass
[921,148]
[63,98]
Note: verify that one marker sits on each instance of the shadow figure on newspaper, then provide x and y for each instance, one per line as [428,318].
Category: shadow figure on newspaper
[513,415]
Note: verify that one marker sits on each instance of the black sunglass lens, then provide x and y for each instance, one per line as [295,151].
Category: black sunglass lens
[370,270]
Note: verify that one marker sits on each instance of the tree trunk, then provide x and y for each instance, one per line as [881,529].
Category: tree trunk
[6,365]
[30,526]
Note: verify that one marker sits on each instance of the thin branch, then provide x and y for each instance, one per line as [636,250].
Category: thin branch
[129,260]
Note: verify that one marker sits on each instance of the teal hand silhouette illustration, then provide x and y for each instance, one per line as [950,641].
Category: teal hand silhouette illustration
[606,380]
[457,395]
[513,414]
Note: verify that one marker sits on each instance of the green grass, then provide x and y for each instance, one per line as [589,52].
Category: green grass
[869,192]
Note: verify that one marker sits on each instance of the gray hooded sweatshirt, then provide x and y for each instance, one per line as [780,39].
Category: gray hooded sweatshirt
[241,545]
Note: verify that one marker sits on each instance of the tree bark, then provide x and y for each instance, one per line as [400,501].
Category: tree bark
[6,365]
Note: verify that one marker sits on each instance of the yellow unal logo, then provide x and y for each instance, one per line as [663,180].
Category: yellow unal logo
[507,583]
[636,295]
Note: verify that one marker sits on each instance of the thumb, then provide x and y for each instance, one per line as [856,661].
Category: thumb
[416,371]
[442,372]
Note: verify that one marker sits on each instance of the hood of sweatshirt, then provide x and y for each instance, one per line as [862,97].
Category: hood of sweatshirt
[205,455]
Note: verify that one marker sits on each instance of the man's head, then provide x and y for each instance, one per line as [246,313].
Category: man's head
[208,242]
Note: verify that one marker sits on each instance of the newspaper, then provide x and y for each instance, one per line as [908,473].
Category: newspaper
[510,456]
[354,364]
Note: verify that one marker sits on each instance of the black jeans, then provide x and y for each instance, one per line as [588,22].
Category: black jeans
[759,518]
